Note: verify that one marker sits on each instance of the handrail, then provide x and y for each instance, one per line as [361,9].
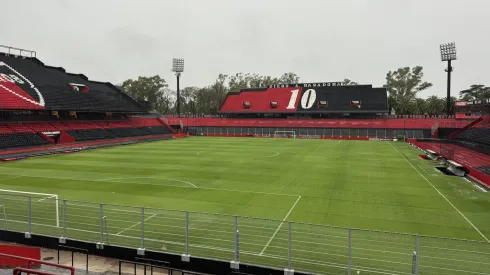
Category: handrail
[72,249]
[29,261]
[19,270]
[154,266]
[8,50]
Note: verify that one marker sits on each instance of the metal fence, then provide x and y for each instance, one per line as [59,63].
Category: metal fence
[327,132]
[312,248]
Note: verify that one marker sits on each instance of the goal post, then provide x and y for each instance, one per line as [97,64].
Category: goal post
[284,134]
[11,198]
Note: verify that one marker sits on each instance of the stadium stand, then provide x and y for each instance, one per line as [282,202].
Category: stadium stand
[20,139]
[43,105]
[27,84]
[308,98]
[468,145]
[90,134]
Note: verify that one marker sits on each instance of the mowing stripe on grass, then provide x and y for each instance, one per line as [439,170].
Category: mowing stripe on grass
[136,224]
[280,225]
[462,215]
[153,184]
[12,177]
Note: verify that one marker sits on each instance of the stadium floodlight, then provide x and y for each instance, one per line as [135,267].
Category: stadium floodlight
[178,68]
[178,65]
[448,53]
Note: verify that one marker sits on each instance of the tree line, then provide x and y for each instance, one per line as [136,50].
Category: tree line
[403,86]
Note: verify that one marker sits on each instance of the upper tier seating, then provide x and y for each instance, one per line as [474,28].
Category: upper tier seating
[26,83]
[308,99]
[479,135]
[478,131]
[20,140]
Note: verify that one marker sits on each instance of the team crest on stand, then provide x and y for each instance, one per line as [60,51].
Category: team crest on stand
[16,90]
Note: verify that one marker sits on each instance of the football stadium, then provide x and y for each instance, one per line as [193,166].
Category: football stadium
[297,178]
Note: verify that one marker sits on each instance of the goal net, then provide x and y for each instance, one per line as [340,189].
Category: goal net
[16,206]
[284,134]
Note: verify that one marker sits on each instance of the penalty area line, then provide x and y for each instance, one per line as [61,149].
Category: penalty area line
[114,180]
[50,197]
[442,195]
[280,225]
[136,224]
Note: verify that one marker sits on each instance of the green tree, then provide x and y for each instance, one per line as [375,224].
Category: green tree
[189,99]
[218,93]
[420,106]
[475,92]
[349,82]
[151,89]
[288,78]
[435,105]
[403,85]
[246,80]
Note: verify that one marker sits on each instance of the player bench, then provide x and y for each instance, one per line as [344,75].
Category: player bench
[456,168]
[432,155]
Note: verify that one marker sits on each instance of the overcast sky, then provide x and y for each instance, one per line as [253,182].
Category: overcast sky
[320,40]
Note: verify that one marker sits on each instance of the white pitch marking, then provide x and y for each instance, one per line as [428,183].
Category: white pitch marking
[25,192]
[275,155]
[280,225]
[462,215]
[112,179]
[339,142]
[53,196]
[153,184]
[480,188]
[136,224]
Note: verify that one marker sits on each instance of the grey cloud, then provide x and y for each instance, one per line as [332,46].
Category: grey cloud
[320,40]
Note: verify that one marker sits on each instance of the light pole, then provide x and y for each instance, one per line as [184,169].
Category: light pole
[178,68]
[448,53]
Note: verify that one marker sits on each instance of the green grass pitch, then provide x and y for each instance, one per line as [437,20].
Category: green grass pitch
[381,186]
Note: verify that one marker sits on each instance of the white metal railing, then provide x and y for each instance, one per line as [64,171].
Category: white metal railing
[266,242]
[17,51]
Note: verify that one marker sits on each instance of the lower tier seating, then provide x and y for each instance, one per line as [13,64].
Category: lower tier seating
[92,134]
[484,169]
[21,140]
[129,132]
[157,130]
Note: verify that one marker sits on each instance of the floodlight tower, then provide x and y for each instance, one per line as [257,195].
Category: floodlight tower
[178,68]
[448,53]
